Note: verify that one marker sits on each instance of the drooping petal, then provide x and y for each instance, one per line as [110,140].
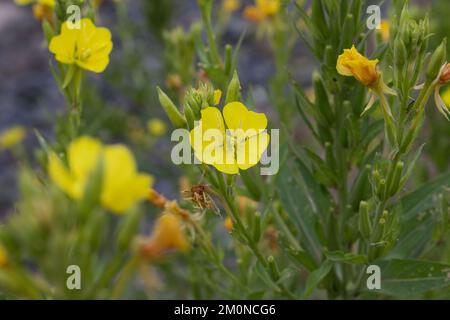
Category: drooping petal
[440,104]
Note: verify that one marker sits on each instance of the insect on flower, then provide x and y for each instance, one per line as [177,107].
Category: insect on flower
[200,196]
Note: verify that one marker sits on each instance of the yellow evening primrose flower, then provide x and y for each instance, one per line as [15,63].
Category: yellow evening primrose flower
[49,3]
[12,137]
[239,145]
[352,63]
[384,30]
[88,47]
[156,127]
[167,235]
[122,185]
[262,10]
[3,256]
[231,5]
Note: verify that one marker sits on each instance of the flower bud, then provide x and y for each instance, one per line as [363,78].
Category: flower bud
[436,62]
[364,225]
[234,88]
[175,117]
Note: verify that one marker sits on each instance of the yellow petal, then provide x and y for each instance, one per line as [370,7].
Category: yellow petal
[249,152]
[122,185]
[225,158]
[62,177]
[217,96]
[83,155]
[235,114]
[211,118]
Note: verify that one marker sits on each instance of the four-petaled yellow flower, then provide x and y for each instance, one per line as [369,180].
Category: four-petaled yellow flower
[167,235]
[3,256]
[262,10]
[239,145]
[122,185]
[87,47]
[12,137]
[352,63]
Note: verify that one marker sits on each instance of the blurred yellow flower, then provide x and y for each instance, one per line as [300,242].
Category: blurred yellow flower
[262,10]
[231,5]
[352,63]
[12,137]
[239,147]
[167,235]
[384,30]
[49,3]
[122,185]
[156,127]
[3,256]
[228,224]
[446,97]
[88,47]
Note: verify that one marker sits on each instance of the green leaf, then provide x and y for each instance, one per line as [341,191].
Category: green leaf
[416,224]
[316,277]
[294,200]
[340,256]
[412,277]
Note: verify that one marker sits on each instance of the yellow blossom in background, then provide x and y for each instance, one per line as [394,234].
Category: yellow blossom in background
[228,224]
[122,185]
[231,5]
[446,97]
[352,63]
[88,47]
[157,127]
[240,147]
[384,30]
[12,137]
[49,3]
[217,96]
[3,256]
[262,10]
[167,235]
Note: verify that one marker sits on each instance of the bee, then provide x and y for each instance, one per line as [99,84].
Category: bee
[200,196]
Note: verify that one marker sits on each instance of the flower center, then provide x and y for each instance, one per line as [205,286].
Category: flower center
[85,54]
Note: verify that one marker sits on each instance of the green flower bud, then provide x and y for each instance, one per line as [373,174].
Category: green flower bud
[436,61]
[234,88]
[396,178]
[400,53]
[175,117]
[190,118]
[364,224]
[257,227]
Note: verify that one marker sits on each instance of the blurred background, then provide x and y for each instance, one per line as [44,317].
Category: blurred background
[122,101]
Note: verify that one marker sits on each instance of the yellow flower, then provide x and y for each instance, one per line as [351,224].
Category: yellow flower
[239,147]
[88,47]
[384,30]
[231,5]
[352,63]
[156,127]
[122,185]
[262,10]
[228,224]
[12,137]
[446,97]
[49,3]
[167,235]
[3,256]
